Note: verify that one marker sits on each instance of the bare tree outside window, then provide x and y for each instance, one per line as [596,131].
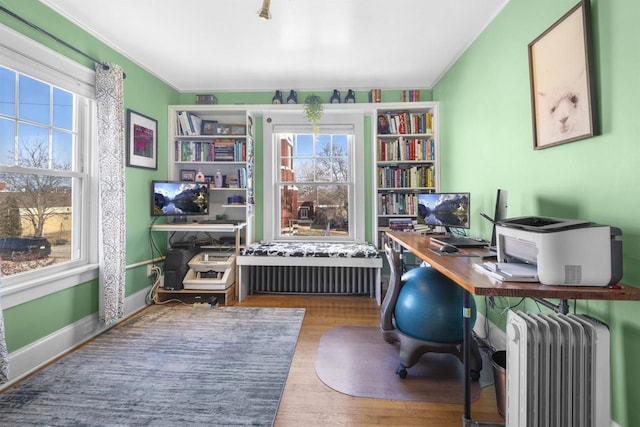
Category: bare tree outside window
[37,134]
[39,197]
[314,185]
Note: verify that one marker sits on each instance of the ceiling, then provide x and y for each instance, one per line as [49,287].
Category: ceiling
[222,45]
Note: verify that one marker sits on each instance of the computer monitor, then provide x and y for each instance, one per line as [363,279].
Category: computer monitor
[177,198]
[449,210]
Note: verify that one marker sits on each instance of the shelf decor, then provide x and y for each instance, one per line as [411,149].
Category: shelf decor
[142,141]
[187,174]
[313,111]
[562,89]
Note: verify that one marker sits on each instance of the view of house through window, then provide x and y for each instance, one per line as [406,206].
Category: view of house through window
[314,185]
[38,173]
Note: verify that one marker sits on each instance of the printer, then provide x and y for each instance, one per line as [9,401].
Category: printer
[565,251]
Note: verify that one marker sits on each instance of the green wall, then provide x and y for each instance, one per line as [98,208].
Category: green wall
[145,94]
[487,143]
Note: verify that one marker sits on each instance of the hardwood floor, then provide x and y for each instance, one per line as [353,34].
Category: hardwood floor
[306,401]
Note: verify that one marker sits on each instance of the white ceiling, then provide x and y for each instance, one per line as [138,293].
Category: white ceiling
[222,45]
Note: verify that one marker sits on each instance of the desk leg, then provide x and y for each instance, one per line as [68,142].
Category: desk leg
[466,349]
[466,359]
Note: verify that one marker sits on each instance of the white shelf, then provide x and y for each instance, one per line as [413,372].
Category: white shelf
[401,202]
[197,227]
[182,154]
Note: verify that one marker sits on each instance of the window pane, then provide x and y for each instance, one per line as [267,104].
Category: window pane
[7,139]
[7,92]
[34,100]
[314,210]
[62,152]
[304,146]
[314,185]
[340,144]
[33,146]
[35,222]
[332,209]
[304,170]
[62,109]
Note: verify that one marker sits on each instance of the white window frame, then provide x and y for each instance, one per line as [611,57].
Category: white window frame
[277,122]
[26,56]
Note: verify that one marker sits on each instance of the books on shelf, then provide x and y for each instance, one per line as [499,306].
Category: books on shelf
[188,123]
[401,224]
[421,176]
[406,149]
[398,204]
[219,150]
[401,123]
[412,95]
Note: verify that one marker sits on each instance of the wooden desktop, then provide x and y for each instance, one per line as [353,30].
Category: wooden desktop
[459,268]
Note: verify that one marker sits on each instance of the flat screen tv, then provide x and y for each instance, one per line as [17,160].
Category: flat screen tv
[449,210]
[179,198]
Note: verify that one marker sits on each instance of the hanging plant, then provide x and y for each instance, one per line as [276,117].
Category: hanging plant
[313,111]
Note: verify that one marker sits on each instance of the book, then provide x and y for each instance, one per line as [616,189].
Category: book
[195,122]
[224,151]
[185,127]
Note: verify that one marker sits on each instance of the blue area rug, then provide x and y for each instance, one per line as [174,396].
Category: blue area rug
[168,366]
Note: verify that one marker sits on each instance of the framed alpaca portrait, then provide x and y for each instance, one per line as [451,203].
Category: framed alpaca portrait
[562,88]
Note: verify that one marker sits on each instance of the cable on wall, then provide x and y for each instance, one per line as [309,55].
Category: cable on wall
[57,39]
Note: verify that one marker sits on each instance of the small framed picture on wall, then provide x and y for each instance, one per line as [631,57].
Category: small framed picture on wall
[142,141]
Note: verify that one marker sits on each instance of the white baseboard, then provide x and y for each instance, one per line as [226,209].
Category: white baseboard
[495,337]
[32,357]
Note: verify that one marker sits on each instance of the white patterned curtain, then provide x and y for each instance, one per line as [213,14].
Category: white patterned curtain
[111,157]
[4,356]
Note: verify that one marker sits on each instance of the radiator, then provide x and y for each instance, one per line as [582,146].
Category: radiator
[557,371]
[312,279]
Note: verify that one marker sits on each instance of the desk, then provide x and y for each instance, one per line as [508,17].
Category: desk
[194,227]
[203,228]
[460,270]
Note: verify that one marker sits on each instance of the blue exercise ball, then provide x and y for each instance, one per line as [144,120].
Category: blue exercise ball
[429,306]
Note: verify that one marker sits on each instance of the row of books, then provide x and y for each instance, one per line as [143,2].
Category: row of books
[188,123]
[412,95]
[221,150]
[401,224]
[402,123]
[397,204]
[406,149]
[411,177]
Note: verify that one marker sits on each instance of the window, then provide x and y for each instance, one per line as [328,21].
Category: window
[46,118]
[316,180]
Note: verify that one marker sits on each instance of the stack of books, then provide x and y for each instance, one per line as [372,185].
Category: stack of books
[400,224]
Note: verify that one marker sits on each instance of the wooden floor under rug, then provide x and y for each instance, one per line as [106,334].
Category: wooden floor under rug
[308,401]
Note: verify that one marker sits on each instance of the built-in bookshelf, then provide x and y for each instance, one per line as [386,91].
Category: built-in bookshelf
[406,161]
[216,142]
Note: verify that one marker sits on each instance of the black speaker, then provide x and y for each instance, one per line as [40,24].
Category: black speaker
[176,267]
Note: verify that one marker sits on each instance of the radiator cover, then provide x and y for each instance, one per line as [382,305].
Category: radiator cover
[312,279]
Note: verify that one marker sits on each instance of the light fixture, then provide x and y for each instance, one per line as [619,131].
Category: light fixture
[263,12]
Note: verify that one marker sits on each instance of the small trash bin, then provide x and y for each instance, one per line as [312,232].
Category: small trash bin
[499,363]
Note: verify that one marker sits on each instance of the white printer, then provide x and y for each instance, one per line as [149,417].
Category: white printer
[565,251]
